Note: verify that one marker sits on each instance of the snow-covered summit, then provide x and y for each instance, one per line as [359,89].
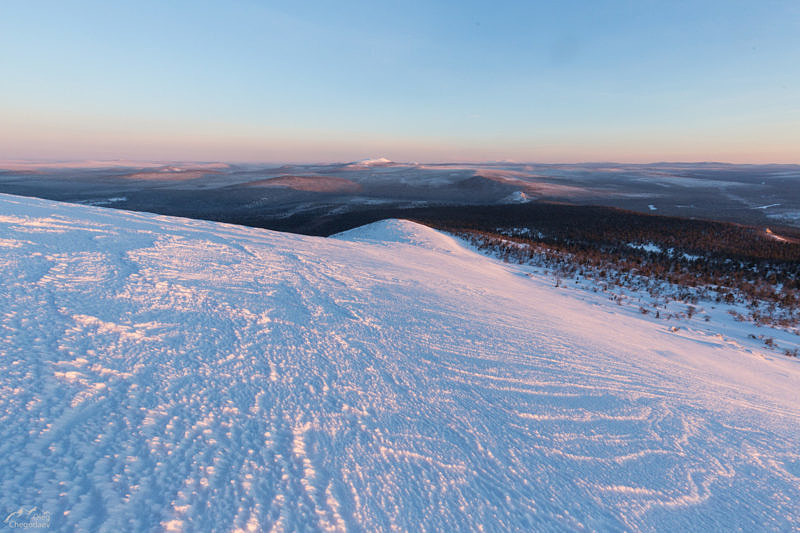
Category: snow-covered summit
[166,373]
[376,162]
[403,231]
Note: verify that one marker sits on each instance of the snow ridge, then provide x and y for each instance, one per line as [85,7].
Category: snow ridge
[398,231]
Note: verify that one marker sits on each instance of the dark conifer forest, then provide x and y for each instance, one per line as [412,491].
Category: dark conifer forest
[671,258]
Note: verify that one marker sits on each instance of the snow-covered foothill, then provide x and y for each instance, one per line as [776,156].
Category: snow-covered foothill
[159,373]
[398,231]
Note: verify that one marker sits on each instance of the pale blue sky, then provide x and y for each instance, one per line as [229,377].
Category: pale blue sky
[430,81]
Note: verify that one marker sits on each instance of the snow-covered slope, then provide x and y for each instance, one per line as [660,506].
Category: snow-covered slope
[158,372]
[395,231]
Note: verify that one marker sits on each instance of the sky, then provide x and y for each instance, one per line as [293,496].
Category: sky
[319,81]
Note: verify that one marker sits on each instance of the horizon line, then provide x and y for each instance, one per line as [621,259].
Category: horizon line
[161,162]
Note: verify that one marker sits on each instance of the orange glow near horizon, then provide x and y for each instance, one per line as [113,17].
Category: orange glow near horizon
[73,138]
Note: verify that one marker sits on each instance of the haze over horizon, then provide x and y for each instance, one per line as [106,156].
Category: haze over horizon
[18,164]
[629,82]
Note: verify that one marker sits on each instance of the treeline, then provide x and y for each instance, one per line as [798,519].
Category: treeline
[597,227]
[672,258]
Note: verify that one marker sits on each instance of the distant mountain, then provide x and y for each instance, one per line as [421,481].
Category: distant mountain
[379,162]
[260,194]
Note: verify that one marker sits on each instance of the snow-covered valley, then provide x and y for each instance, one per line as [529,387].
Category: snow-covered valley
[167,373]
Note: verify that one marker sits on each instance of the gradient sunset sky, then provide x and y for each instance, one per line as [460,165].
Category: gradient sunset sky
[555,81]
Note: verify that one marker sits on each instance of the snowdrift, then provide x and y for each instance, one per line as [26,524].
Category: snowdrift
[166,373]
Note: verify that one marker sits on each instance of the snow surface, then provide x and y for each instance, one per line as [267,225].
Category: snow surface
[396,231]
[166,373]
[647,247]
[517,197]
[376,162]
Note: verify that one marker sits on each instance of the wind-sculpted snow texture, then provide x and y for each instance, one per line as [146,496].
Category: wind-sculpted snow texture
[164,373]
